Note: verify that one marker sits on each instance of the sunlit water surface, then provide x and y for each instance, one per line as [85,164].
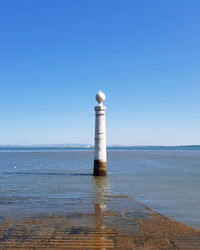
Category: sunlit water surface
[38,182]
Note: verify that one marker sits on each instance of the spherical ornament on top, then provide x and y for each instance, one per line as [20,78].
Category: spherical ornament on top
[100,96]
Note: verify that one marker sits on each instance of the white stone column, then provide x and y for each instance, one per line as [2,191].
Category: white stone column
[100,157]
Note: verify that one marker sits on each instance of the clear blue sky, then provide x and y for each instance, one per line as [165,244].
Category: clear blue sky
[56,54]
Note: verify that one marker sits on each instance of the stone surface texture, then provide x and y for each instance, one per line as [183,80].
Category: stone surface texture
[100,155]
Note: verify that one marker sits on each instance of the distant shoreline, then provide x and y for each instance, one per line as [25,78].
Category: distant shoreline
[90,148]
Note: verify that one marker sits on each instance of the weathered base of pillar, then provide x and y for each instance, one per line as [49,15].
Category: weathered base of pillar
[99,168]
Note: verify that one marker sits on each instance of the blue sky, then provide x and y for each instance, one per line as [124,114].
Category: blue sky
[56,54]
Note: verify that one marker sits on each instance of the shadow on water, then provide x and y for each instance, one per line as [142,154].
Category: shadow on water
[43,173]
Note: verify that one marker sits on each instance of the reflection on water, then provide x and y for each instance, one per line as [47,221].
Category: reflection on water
[37,182]
[101,192]
[100,205]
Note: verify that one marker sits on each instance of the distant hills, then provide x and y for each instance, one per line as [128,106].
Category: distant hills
[72,146]
[67,145]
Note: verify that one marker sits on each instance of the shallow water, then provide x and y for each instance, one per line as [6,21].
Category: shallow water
[38,182]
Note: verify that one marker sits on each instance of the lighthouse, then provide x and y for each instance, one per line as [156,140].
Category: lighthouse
[100,155]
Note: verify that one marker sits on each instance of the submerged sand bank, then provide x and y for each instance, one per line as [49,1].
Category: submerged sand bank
[104,223]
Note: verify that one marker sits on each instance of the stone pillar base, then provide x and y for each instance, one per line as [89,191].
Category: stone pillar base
[99,168]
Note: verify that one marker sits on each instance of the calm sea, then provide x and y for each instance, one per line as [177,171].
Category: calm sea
[40,180]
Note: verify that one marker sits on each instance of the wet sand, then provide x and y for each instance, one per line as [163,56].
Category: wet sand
[107,222]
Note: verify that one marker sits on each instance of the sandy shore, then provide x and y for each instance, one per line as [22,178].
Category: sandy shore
[106,223]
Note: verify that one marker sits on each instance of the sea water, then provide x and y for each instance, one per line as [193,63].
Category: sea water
[43,181]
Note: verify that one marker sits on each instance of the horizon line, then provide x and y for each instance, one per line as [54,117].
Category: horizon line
[80,145]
